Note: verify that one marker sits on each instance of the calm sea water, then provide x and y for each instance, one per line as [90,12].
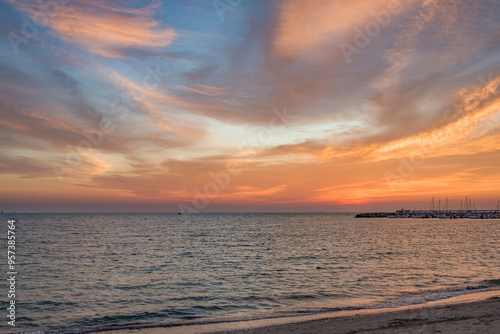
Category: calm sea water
[95,271]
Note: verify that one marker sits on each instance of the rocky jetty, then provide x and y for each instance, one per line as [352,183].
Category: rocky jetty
[374,214]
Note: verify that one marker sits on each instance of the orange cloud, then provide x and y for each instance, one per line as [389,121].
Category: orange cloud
[212,91]
[305,26]
[104,28]
[481,117]
[473,129]
[157,104]
[246,192]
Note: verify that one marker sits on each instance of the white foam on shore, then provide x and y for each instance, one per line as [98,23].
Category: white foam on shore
[228,326]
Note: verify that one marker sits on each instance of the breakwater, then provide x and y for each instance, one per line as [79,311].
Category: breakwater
[442,214]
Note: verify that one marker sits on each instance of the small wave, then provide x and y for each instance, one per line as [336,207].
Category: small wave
[54,303]
[300,297]
[434,295]
[130,287]
[258,299]
[488,283]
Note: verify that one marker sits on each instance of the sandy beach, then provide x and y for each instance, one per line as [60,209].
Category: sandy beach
[473,313]
[477,317]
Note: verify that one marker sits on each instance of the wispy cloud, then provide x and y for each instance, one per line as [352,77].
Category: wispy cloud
[106,28]
[306,27]
[481,117]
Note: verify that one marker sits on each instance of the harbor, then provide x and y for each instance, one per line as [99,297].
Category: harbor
[465,211]
[444,214]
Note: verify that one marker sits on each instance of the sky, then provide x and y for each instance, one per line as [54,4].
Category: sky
[239,105]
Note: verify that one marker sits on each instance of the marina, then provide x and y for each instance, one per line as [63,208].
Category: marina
[444,214]
[465,211]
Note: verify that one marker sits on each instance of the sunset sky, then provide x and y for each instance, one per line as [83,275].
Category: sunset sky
[202,106]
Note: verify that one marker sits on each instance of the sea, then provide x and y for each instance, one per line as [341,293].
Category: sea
[83,273]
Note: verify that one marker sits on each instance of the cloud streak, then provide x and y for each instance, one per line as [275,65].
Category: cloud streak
[103,28]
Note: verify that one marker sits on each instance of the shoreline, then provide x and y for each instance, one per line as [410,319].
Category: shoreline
[470,313]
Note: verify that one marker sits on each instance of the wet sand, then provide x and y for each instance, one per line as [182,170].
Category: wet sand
[477,317]
[473,313]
